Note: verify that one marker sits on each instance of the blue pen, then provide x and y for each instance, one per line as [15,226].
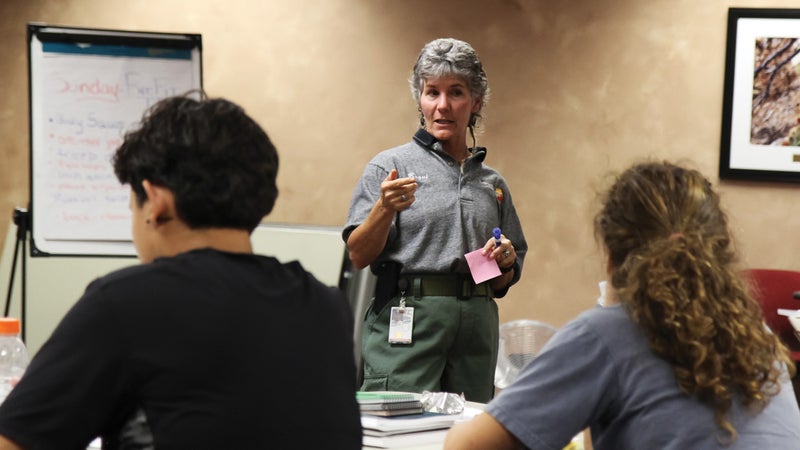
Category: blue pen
[497,234]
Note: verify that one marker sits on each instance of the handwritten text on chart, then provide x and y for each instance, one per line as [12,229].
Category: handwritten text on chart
[81,182]
[79,125]
[82,167]
[83,109]
[132,85]
[86,217]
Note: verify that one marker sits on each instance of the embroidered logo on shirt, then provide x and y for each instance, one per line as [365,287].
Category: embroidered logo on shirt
[499,193]
[417,177]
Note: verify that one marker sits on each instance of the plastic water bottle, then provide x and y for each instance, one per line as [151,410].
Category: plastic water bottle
[13,355]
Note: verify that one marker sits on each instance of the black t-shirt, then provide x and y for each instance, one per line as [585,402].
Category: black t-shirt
[218,350]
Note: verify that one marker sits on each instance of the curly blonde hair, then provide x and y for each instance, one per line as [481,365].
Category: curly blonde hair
[673,266]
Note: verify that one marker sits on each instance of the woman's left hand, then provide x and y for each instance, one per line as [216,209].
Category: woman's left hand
[504,254]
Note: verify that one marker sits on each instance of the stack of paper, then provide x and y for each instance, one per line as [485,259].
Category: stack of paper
[403,440]
[393,432]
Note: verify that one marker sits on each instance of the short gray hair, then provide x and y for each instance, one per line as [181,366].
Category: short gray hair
[448,56]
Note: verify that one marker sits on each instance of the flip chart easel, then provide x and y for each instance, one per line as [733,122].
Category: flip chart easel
[87,88]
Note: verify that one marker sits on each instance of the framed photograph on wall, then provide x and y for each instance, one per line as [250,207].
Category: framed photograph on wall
[761,104]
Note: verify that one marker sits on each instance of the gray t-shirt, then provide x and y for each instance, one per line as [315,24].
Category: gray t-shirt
[598,371]
[454,212]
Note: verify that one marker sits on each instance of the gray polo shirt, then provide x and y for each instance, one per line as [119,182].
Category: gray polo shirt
[599,372]
[455,208]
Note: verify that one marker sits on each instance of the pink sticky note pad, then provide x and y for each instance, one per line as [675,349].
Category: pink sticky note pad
[482,267]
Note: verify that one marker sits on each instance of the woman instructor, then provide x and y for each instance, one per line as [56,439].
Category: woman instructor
[416,211]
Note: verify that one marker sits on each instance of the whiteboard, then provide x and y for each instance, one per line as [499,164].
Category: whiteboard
[53,284]
[87,88]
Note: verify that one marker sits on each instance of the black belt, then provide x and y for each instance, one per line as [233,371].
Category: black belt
[429,285]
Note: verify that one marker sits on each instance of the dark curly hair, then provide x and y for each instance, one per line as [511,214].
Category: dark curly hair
[218,162]
[673,267]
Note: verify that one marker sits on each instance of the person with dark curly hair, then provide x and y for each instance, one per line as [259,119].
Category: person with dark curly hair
[204,345]
[678,358]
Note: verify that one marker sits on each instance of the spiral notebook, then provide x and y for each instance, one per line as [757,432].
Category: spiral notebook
[388,403]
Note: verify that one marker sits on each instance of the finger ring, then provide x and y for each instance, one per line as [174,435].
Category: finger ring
[506,252]
[404,197]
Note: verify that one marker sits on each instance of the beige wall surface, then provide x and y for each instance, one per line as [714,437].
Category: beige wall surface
[580,89]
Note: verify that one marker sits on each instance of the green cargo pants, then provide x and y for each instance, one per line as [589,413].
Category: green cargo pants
[454,347]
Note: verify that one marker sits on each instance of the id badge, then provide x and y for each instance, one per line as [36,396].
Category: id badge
[401,324]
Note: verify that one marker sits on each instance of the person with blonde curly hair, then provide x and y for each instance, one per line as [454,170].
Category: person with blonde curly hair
[678,358]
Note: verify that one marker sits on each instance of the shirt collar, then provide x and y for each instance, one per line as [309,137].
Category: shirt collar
[426,140]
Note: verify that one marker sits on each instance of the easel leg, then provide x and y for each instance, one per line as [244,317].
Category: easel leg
[21,216]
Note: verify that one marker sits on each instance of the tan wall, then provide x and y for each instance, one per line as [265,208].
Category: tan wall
[580,88]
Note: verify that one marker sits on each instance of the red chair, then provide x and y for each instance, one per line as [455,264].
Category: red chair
[775,289]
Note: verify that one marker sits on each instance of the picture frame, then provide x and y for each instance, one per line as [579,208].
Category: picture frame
[760,138]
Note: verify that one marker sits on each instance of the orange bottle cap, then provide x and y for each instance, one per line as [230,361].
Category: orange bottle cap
[9,325]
